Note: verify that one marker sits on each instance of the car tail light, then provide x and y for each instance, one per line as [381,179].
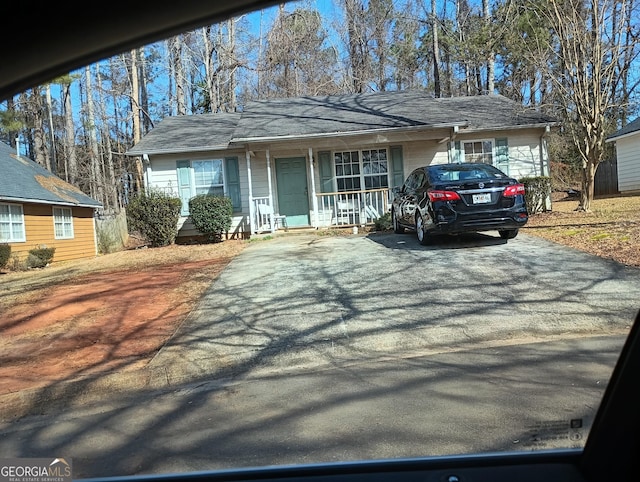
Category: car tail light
[443,196]
[513,190]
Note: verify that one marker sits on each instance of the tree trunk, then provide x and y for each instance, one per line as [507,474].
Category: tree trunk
[71,160]
[41,151]
[53,158]
[111,183]
[135,116]
[436,51]
[97,180]
[357,44]
[491,56]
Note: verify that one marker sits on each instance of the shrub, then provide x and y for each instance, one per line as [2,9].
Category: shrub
[383,223]
[5,254]
[155,216]
[40,257]
[211,215]
[537,192]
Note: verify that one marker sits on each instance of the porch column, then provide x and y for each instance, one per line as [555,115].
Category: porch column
[273,226]
[313,191]
[252,228]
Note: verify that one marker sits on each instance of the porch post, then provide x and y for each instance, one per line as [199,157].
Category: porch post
[313,191]
[252,228]
[273,226]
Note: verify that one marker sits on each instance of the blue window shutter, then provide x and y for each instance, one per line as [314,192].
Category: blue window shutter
[397,166]
[183,168]
[232,172]
[502,155]
[326,171]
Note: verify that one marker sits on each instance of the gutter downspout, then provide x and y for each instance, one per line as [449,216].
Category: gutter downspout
[313,191]
[252,228]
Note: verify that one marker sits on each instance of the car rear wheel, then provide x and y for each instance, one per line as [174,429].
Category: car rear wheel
[423,236]
[508,233]
[396,226]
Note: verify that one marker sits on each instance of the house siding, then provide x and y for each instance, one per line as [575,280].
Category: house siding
[628,156]
[39,231]
[417,150]
[163,175]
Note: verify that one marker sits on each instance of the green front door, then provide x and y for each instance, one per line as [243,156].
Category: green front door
[293,194]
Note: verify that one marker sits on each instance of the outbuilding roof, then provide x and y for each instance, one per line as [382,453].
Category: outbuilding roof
[630,128]
[23,180]
[300,117]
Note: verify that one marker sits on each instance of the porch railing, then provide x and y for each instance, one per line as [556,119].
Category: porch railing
[262,222]
[354,208]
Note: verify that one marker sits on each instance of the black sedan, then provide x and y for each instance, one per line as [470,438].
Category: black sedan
[459,198]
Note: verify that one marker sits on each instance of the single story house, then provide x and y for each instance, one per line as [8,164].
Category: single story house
[38,209]
[333,160]
[627,142]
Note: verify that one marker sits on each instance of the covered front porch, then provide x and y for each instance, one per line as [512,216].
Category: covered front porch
[294,184]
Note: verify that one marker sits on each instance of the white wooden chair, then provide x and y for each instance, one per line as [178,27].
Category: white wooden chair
[267,216]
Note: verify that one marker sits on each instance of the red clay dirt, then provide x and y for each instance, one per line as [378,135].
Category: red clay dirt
[99,316]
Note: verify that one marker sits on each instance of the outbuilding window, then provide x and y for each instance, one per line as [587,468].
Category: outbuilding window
[12,223]
[63,223]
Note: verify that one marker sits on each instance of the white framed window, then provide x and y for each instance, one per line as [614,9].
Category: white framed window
[12,223]
[347,166]
[478,151]
[358,170]
[63,223]
[208,176]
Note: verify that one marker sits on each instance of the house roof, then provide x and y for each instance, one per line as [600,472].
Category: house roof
[630,128]
[190,133]
[26,181]
[342,114]
[303,117]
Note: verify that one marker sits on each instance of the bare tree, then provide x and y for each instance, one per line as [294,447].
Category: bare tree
[433,21]
[588,53]
[71,158]
[357,41]
[97,181]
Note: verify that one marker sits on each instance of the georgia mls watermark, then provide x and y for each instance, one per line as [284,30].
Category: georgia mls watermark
[35,470]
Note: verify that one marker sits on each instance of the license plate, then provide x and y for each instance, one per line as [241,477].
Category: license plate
[482,198]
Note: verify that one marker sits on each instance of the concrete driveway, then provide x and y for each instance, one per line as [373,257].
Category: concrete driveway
[303,301]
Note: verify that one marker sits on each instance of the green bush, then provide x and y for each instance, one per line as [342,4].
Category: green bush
[40,257]
[537,191]
[5,254]
[383,223]
[211,215]
[155,216]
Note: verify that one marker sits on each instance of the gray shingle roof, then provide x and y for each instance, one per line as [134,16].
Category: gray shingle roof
[25,181]
[305,116]
[631,127]
[335,115]
[188,133]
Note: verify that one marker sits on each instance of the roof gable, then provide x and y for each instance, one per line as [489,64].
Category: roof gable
[26,181]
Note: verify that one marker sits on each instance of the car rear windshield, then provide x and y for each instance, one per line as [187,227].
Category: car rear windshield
[453,172]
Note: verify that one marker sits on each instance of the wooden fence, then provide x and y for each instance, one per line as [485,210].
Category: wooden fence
[606,180]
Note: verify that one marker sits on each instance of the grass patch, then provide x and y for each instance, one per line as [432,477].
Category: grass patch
[599,236]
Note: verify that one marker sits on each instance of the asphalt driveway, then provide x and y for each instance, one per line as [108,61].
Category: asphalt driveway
[305,301]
